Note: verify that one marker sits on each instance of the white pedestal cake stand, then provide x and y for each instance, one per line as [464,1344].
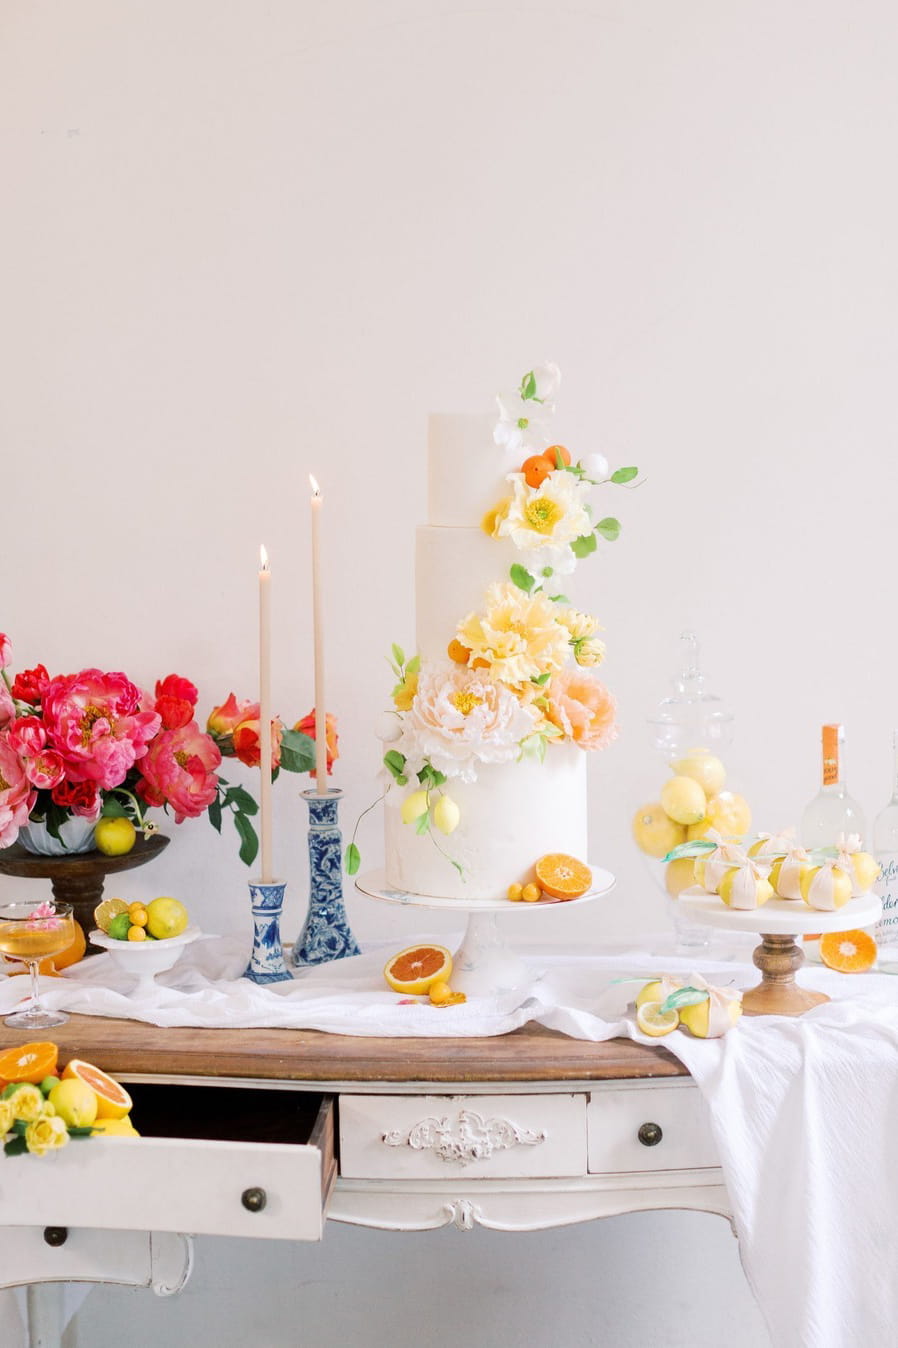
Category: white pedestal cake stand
[484,965]
[778,957]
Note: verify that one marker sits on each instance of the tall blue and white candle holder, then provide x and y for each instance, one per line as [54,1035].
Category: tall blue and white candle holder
[326,935]
[267,963]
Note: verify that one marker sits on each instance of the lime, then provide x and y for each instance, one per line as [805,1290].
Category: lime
[165,917]
[115,836]
[120,926]
[47,1084]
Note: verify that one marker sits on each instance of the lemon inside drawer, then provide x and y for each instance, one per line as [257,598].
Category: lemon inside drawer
[213,1160]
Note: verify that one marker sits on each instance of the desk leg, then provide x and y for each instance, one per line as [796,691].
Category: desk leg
[45,1302]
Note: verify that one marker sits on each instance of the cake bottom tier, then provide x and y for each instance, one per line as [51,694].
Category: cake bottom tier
[512,815]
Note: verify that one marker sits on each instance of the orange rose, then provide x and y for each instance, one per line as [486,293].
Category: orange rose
[223,720]
[582,708]
[307,727]
[246,742]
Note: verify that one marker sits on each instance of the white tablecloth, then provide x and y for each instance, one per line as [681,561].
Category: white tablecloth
[802,1110]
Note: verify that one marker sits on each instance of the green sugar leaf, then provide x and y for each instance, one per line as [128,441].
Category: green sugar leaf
[609,528]
[684,997]
[696,848]
[522,577]
[541,679]
[353,859]
[422,824]
[559,599]
[584,545]
[624,475]
[413,665]
[394,762]
[398,654]
[528,386]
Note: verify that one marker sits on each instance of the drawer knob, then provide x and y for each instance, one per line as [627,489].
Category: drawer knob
[254,1200]
[650,1134]
[56,1235]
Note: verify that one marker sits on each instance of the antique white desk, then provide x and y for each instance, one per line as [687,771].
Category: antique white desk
[269,1133]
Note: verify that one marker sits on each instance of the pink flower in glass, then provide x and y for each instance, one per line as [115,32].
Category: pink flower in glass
[17,795]
[179,770]
[94,720]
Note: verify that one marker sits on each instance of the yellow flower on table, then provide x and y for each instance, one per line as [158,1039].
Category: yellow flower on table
[27,1103]
[517,637]
[46,1134]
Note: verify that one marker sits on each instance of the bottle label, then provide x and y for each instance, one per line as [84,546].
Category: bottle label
[887,888]
[830,755]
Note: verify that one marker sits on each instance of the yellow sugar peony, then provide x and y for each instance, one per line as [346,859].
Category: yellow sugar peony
[517,638]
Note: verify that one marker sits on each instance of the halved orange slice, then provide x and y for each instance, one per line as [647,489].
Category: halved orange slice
[850,952]
[562,876]
[414,969]
[113,1101]
[28,1062]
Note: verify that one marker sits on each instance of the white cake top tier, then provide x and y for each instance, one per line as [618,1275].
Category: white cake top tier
[466,470]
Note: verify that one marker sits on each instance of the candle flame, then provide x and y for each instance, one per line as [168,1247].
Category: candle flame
[263,558]
[316,490]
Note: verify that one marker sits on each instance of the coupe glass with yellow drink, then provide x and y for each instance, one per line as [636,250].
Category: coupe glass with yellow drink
[30,932]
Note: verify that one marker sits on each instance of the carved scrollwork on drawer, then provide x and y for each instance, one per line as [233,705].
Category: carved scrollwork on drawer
[465,1138]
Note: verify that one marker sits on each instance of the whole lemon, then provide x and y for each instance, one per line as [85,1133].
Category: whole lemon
[446,815]
[703,767]
[655,832]
[866,871]
[697,1018]
[166,917]
[684,800]
[651,992]
[679,875]
[114,836]
[414,806]
[729,813]
[75,1103]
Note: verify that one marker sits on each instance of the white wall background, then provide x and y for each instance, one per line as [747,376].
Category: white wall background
[243,241]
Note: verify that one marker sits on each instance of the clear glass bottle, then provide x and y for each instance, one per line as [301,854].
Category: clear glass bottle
[885,849]
[833,810]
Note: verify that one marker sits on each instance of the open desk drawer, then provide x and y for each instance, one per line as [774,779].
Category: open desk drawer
[211,1160]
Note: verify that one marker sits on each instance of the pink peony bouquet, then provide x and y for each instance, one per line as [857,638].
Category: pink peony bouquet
[94,743]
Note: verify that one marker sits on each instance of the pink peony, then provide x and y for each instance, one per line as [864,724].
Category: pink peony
[17,795]
[94,720]
[44,769]
[5,650]
[179,770]
[7,706]
[27,735]
[175,700]
[582,708]
[224,720]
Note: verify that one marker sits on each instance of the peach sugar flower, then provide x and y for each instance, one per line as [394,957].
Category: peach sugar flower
[582,708]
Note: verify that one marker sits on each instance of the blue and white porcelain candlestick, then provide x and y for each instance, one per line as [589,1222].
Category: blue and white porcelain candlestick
[326,935]
[267,964]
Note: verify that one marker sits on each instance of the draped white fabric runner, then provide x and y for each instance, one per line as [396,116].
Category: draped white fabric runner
[802,1110]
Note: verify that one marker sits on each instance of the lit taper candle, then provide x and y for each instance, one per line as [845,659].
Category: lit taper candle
[265,715]
[318,644]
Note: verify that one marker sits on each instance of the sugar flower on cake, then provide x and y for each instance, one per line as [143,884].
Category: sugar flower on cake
[582,627]
[517,638]
[582,708]
[460,718]
[524,415]
[544,521]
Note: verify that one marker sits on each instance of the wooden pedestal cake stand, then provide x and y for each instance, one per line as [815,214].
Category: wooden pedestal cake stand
[778,956]
[78,879]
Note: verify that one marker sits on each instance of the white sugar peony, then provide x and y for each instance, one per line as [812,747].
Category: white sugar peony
[461,718]
[543,521]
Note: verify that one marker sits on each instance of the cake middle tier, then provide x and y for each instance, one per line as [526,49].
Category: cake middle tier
[453,568]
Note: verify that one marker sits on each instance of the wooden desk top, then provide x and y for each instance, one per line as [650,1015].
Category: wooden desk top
[132,1048]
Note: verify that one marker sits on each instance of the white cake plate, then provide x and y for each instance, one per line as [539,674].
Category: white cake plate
[484,965]
[778,957]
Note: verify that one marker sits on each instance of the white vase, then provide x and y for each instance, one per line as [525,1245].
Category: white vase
[77,835]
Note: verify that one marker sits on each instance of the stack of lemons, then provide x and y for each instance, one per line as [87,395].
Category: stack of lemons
[691,802]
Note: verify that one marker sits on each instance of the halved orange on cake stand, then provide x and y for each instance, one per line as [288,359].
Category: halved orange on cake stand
[779,957]
[484,964]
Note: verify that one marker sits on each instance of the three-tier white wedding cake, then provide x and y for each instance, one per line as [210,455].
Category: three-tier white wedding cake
[493,715]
